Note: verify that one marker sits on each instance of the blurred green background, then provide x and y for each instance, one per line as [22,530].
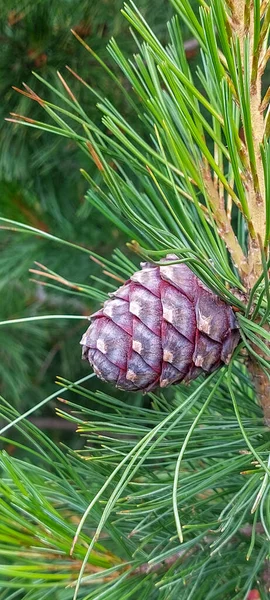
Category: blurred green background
[41,184]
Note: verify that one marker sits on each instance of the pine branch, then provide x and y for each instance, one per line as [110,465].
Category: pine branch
[225,229]
[146,513]
[183,174]
[251,50]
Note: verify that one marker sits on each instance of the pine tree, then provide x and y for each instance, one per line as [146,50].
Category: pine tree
[167,499]
[40,182]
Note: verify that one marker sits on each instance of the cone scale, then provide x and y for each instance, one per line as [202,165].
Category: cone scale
[163,326]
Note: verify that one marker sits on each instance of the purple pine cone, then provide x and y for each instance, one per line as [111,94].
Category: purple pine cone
[161,327]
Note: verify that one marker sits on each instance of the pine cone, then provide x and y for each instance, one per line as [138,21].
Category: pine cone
[161,327]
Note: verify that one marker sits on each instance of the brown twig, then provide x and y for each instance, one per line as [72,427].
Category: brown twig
[224,225]
[243,24]
[53,423]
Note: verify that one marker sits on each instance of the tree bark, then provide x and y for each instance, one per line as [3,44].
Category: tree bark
[261,380]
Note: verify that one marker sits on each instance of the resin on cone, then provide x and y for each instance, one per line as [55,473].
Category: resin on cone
[161,327]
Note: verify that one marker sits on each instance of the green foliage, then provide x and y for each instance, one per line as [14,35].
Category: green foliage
[188,181]
[36,37]
[41,185]
[137,482]
[168,499]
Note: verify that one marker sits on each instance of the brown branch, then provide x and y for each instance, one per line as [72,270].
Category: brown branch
[245,531]
[53,423]
[243,24]
[261,380]
[224,225]
[164,564]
